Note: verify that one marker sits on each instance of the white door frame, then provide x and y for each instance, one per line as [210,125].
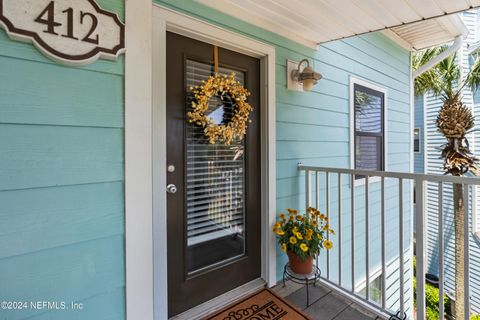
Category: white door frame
[168,20]
[139,265]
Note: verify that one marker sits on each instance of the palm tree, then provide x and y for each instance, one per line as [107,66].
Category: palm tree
[454,121]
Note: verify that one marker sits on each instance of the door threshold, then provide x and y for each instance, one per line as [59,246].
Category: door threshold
[221,301]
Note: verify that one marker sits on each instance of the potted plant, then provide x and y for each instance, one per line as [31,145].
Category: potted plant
[302,237]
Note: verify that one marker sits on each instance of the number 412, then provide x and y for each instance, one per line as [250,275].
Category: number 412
[47,17]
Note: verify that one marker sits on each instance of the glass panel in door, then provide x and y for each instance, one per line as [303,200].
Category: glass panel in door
[215,183]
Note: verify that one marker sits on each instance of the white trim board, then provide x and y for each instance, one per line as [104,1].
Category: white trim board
[355,80]
[218,303]
[138,161]
[164,20]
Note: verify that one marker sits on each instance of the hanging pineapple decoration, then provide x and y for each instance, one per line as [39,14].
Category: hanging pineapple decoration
[454,121]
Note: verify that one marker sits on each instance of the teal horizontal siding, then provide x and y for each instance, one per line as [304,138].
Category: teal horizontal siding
[94,308]
[61,183]
[310,114]
[309,149]
[309,132]
[42,93]
[42,156]
[43,218]
[76,272]
[26,51]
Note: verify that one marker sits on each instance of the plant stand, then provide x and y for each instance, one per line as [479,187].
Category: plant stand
[305,279]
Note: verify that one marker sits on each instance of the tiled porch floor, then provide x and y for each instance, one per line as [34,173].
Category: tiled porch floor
[325,304]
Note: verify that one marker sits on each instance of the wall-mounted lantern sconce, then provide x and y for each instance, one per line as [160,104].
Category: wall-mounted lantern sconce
[301,78]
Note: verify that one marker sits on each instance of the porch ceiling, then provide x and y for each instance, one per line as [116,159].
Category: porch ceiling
[418,23]
[431,32]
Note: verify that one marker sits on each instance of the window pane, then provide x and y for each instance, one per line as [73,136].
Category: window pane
[215,183]
[368,153]
[368,111]
[416,140]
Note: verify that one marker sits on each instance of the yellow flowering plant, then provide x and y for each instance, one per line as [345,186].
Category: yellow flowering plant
[303,234]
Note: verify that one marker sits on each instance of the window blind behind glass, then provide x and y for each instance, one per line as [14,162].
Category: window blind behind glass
[214,173]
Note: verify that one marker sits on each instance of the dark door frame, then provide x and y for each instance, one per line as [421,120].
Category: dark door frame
[167,20]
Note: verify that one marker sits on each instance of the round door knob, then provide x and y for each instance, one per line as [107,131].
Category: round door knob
[171,188]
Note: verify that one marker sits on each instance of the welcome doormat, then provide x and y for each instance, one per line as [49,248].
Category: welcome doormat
[263,305]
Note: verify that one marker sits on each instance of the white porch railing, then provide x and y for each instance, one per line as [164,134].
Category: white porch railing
[319,195]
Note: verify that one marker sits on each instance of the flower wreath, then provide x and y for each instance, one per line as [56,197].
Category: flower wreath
[220,85]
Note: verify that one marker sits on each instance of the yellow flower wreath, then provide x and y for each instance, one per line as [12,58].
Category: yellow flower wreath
[221,85]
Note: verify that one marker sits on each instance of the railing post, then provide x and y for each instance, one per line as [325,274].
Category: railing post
[308,194]
[420,246]
[441,274]
[401,245]
[367,258]
[327,206]
[384,268]
[339,237]
[352,225]
[466,266]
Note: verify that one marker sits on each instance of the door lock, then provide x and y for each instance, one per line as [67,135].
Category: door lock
[171,188]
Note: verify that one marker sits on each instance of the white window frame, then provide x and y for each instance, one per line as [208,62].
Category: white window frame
[362,284]
[145,148]
[419,140]
[366,83]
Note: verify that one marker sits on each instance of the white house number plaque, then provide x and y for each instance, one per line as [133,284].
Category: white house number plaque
[73,32]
